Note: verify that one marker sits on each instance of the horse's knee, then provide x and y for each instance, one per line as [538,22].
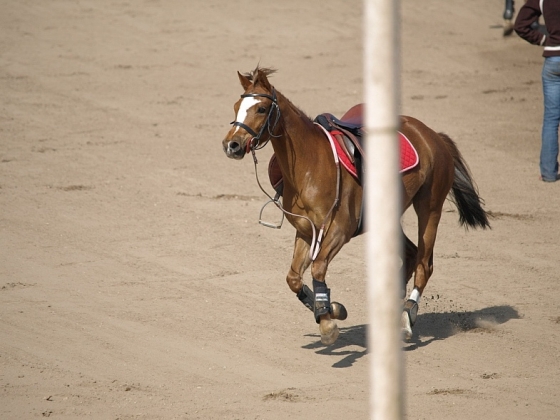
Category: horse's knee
[294,282]
[303,293]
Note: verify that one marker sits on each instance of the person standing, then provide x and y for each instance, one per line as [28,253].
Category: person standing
[525,28]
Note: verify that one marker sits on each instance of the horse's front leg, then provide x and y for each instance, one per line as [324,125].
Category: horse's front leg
[326,312]
[300,262]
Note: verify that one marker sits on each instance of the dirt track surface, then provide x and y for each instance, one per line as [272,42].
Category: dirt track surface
[135,282]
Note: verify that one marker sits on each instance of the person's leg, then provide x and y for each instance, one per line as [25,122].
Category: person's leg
[551,119]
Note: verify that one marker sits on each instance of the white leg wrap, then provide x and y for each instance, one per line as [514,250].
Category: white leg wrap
[415,295]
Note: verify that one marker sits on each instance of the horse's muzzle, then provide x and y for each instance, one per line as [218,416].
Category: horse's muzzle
[234,150]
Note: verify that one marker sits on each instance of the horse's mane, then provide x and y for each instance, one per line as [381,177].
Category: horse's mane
[267,72]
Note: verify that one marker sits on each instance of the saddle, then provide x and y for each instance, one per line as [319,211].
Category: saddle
[349,134]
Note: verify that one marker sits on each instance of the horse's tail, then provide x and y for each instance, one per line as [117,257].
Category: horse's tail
[464,193]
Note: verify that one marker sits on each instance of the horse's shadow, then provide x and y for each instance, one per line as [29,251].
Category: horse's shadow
[439,326]
[429,327]
[348,337]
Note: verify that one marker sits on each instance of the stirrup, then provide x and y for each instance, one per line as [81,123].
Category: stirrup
[276,201]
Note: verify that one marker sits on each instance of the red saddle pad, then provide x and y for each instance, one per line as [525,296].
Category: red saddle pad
[408,156]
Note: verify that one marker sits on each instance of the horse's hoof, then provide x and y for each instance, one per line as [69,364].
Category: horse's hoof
[338,311]
[408,318]
[329,332]
[406,328]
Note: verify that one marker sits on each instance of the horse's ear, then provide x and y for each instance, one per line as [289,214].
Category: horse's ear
[245,82]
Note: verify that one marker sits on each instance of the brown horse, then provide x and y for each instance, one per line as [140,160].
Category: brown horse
[320,197]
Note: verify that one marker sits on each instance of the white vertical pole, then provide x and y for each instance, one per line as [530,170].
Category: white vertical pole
[382,188]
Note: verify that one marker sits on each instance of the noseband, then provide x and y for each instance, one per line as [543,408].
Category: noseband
[252,144]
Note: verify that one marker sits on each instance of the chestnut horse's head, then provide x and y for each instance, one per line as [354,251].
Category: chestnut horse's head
[256,115]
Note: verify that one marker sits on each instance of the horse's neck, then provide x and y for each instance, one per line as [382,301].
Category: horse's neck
[300,142]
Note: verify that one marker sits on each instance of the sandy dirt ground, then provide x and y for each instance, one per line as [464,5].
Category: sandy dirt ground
[135,281]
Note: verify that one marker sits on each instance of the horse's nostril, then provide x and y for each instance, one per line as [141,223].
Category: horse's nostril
[234,146]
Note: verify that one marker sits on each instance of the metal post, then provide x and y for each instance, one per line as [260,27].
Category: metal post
[382,188]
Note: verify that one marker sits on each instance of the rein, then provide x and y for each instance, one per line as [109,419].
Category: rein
[252,147]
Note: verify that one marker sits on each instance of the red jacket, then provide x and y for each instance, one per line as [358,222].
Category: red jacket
[530,13]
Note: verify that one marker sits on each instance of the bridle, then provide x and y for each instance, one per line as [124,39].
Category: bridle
[253,143]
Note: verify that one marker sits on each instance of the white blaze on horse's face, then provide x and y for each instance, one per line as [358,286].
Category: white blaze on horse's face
[244,107]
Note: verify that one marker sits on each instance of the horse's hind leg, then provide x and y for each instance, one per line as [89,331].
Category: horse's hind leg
[410,255]
[429,214]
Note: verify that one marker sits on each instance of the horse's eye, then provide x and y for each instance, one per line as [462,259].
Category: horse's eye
[261,110]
